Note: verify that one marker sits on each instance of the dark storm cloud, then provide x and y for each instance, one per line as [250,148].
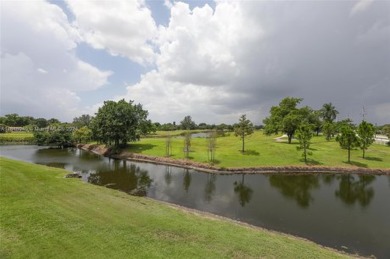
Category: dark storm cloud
[322,52]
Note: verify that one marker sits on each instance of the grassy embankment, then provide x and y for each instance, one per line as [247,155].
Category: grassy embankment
[44,215]
[16,137]
[262,150]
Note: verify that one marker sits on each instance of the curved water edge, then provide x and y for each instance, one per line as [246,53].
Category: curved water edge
[348,212]
[188,164]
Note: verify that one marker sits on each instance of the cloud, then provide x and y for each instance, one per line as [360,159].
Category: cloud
[40,74]
[122,28]
[244,57]
[199,54]
[360,6]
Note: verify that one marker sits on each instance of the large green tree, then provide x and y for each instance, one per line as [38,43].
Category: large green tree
[366,132]
[348,139]
[187,123]
[120,122]
[242,129]
[286,117]
[61,137]
[83,120]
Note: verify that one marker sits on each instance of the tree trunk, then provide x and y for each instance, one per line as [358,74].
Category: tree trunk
[304,153]
[289,138]
[363,152]
[349,154]
[243,143]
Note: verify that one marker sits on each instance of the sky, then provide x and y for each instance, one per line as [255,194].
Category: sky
[212,60]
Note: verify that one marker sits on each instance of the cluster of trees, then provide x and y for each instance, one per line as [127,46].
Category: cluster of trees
[301,122]
[27,122]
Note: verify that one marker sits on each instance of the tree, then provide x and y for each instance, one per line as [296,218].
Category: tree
[83,120]
[61,137]
[386,130]
[168,145]
[119,122]
[41,123]
[212,144]
[243,128]
[285,118]
[304,135]
[187,123]
[366,132]
[187,144]
[348,139]
[329,130]
[83,134]
[328,113]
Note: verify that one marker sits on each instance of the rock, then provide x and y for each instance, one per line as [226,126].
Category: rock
[110,185]
[141,191]
[73,175]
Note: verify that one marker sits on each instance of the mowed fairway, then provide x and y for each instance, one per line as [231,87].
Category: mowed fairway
[262,150]
[44,215]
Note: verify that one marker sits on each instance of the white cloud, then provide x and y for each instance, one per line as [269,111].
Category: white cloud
[244,57]
[361,6]
[200,52]
[122,28]
[40,74]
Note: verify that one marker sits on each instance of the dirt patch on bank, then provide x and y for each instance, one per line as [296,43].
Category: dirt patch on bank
[185,163]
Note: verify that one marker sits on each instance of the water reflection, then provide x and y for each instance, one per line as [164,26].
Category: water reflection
[243,191]
[289,203]
[168,175]
[125,178]
[297,187]
[187,180]
[209,189]
[355,189]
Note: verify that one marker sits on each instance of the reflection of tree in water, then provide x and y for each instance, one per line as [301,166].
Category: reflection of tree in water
[328,178]
[124,178]
[296,187]
[168,175]
[244,192]
[354,189]
[187,180]
[210,187]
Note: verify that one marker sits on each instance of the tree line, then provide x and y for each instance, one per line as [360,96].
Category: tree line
[117,123]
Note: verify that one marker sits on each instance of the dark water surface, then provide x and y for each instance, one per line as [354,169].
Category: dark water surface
[347,212]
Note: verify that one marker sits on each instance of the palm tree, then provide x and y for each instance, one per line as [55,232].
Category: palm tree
[328,112]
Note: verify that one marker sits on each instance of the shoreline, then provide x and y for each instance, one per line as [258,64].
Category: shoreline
[206,168]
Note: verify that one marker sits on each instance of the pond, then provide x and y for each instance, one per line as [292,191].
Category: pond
[347,212]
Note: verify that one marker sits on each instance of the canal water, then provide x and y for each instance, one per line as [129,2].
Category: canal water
[348,212]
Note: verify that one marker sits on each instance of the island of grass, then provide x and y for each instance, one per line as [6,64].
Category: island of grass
[44,215]
[261,152]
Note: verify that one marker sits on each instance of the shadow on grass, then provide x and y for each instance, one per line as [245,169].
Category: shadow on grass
[311,162]
[373,158]
[356,164]
[250,153]
[139,148]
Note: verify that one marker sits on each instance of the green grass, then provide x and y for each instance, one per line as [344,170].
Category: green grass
[262,150]
[16,137]
[44,215]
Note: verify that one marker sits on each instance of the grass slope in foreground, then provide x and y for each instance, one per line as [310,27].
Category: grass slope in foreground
[44,215]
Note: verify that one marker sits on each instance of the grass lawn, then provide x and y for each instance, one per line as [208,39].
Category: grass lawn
[262,150]
[44,215]
[16,137]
